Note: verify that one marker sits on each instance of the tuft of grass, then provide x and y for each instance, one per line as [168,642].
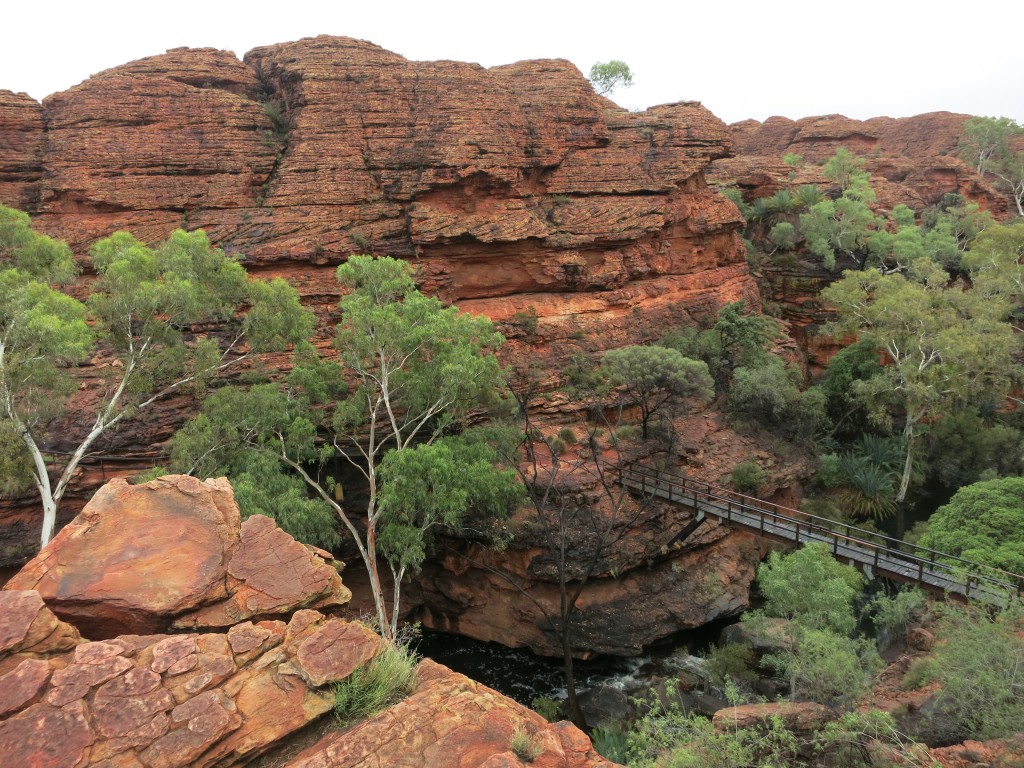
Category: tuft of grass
[524,746]
[384,680]
[611,742]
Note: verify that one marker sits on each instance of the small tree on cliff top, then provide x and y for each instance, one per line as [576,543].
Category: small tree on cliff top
[142,313]
[606,76]
[417,370]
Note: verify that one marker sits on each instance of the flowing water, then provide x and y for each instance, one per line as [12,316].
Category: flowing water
[523,676]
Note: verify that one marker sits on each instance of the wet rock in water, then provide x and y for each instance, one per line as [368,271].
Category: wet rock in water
[603,705]
[764,636]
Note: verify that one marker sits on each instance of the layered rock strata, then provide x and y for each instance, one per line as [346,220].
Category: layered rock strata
[515,191]
[912,159]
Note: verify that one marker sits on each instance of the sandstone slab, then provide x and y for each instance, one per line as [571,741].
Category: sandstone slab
[189,562]
[476,730]
[171,701]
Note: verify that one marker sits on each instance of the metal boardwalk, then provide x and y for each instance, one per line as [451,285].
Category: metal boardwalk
[874,553]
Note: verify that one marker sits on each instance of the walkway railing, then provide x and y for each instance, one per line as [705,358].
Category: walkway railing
[873,552]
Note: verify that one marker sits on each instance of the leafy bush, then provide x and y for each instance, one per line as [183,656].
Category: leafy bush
[747,476]
[783,235]
[827,667]
[812,588]
[732,661]
[978,663]
[384,680]
[983,522]
[859,739]
[893,616]
[549,709]
[567,435]
[767,395]
[527,320]
[672,738]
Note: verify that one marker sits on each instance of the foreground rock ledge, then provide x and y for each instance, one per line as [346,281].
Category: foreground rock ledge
[174,553]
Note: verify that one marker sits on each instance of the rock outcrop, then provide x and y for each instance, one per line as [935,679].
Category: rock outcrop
[912,159]
[476,731]
[217,698]
[664,587]
[190,562]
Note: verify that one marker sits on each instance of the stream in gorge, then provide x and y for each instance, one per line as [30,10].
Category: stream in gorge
[524,676]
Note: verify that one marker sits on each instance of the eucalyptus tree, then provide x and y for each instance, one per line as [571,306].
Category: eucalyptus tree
[415,371]
[944,344]
[166,318]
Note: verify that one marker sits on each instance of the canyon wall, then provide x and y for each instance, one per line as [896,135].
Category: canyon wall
[912,160]
[515,192]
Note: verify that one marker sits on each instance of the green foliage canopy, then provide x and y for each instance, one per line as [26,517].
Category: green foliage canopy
[983,522]
[812,588]
[945,344]
[608,75]
[653,375]
[143,308]
[417,369]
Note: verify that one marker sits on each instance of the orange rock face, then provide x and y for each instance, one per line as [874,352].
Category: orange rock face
[507,188]
[222,699]
[476,730]
[189,562]
[21,149]
[913,159]
[174,700]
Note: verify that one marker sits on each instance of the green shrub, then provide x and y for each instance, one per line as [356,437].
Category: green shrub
[979,663]
[983,522]
[677,740]
[828,668]
[527,320]
[893,616]
[860,739]
[556,445]
[362,242]
[524,746]
[384,680]
[549,709]
[567,435]
[732,661]
[611,742]
[812,588]
[747,476]
[920,672]
[627,432]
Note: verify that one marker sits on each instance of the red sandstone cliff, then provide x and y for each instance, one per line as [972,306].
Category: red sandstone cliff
[509,188]
[912,159]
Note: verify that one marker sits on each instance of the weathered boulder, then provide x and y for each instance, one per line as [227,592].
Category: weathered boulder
[475,730]
[168,701]
[768,635]
[173,552]
[803,717]
[28,626]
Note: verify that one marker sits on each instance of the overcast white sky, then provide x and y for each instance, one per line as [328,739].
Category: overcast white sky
[745,58]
